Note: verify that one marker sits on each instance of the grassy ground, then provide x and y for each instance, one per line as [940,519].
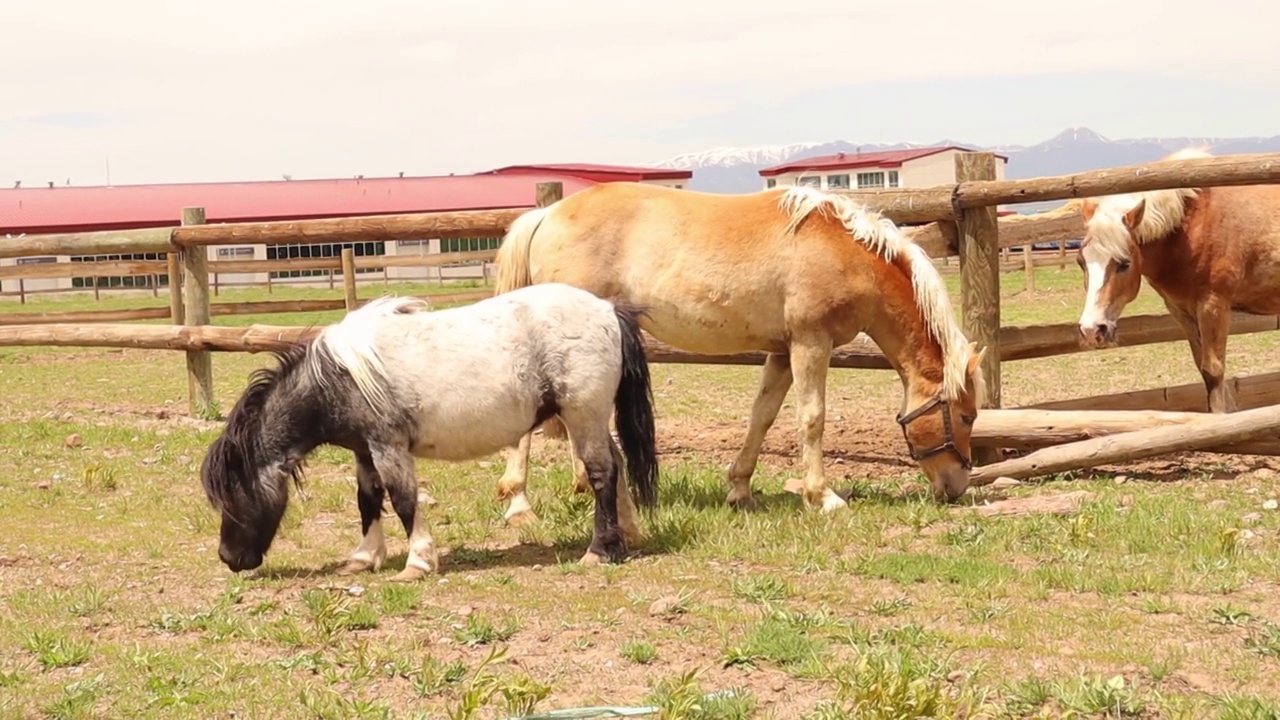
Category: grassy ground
[1157,598]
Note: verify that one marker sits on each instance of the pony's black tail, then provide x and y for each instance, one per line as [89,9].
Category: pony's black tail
[633,406]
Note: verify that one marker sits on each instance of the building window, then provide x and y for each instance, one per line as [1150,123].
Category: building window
[412,243]
[291,251]
[229,253]
[120,281]
[771,182]
[838,181]
[810,181]
[679,187]
[475,244]
[893,178]
[871,179]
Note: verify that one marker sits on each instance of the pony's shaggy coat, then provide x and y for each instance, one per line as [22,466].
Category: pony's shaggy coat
[391,382]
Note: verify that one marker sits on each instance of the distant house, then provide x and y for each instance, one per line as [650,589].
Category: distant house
[918,167]
[75,209]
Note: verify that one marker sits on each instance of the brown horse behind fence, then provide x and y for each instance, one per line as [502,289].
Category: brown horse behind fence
[790,272]
[1206,251]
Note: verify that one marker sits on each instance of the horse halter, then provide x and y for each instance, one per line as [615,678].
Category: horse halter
[948,437]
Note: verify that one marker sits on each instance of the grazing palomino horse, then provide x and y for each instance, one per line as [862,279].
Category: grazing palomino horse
[392,382]
[1206,251]
[791,272]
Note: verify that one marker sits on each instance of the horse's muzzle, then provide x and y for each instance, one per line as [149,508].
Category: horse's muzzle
[239,562]
[1102,335]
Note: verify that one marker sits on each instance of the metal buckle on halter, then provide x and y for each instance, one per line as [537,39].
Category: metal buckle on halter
[948,442]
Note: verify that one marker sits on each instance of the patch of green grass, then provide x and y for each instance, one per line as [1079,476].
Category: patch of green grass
[117,605]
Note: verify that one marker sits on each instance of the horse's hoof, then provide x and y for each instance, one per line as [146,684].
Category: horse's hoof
[743,502]
[506,489]
[795,486]
[521,518]
[592,560]
[828,503]
[409,574]
[354,567]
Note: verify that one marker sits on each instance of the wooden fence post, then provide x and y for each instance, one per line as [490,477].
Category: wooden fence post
[548,193]
[174,262]
[349,277]
[979,241]
[195,301]
[1029,267]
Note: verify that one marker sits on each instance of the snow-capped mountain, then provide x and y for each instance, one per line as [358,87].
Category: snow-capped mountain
[1077,149]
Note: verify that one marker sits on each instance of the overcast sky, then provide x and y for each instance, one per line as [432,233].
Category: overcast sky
[186,90]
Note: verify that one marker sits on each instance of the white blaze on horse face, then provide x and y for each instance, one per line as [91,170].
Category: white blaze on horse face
[1095,268]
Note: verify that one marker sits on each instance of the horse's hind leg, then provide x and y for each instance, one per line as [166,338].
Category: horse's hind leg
[512,484]
[775,381]
[591,441]
[395,467]
[372,550]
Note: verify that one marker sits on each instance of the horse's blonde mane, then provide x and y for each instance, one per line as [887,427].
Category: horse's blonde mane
[881,236]
[351,344]
[1164,212]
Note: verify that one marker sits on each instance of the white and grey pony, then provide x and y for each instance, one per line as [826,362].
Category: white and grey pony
[392,382]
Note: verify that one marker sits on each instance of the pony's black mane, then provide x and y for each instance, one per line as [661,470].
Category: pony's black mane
[230,467]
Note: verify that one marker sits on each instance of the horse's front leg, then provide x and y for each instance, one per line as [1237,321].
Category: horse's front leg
[809,360]
[775,381]
[512,484]
[372,551]
[395,467]
[1214,320]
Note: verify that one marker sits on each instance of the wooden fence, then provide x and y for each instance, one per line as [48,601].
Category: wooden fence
[951,221]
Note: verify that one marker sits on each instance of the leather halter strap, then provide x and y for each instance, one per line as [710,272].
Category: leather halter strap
[948,436]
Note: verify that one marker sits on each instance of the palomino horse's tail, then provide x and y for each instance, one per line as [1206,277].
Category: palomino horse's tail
[513,254]
[633,407]
[351,344]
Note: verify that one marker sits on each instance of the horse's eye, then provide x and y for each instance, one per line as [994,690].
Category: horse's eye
[1122,266]
[968,419]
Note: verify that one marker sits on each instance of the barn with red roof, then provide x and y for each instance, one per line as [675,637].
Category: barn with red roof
[73,209]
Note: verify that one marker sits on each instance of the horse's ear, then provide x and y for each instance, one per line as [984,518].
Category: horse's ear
[975,358]
[1087,208]
[1134,216]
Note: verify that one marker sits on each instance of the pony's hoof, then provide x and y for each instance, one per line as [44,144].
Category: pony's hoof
[795,486]
[742,502]
[591,560]
[409,574]
[521,518]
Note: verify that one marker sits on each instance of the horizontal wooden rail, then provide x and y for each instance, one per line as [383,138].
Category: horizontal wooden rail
[266,307]
[1016,343]
[939,202]
[1250,391]
[1032,429]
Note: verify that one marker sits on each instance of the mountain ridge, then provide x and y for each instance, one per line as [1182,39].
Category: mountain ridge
[735,169]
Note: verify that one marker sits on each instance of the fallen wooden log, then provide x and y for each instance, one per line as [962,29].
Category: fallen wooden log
[1213,430]
[1033,428]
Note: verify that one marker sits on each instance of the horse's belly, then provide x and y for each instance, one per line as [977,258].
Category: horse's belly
[465,433]
[703,330]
